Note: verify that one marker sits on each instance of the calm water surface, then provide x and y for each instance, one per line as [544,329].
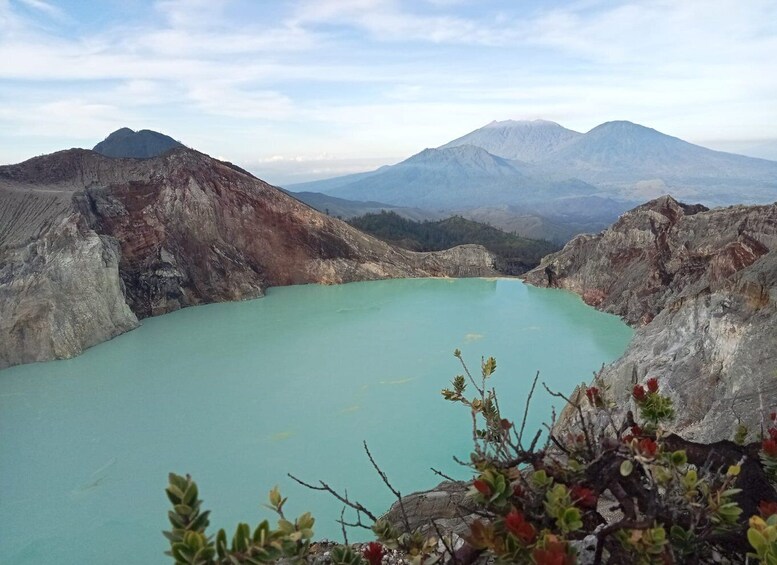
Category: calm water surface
[239,394]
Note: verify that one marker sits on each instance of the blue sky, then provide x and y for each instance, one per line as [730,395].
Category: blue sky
[301,89]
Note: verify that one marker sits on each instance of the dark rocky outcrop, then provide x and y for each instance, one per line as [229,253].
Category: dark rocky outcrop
[700,287]
[89,245]
[142,144]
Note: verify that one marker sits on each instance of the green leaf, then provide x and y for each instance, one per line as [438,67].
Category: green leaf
[275,497]
[242,538]
[571,519]
[221,543]
[190,494]
[176,520]
[627,467]
[540,479]
[178,481]
[285,526]
[730,492]
[262,533]
[757,541]
[174,494]
[679,458]
[489,366]
[305,521]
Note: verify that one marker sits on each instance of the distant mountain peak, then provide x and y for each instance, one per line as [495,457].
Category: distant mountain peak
[521,123]
[142,144]
[467,155]
[522,140]
[624,126]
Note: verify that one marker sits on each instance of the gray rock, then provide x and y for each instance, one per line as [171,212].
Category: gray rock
[60,294]
[445,505]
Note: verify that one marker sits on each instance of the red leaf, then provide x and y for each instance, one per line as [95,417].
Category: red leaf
[517,525]
[373,553]
[482,486]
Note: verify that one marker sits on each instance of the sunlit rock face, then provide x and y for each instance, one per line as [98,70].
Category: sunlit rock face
[89,244]
[700,286]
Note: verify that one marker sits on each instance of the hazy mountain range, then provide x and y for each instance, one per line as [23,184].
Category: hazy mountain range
[456,177]
[544,180]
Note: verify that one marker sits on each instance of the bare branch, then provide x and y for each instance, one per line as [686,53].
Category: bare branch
[583,422]
[462,463]
[357,524]
[443,475]
[444,542]
[469,375]
[526,409]
[342,524]
[390,487]
[356,505]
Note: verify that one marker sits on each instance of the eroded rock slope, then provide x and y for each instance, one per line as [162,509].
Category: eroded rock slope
[89,245]
[700,287]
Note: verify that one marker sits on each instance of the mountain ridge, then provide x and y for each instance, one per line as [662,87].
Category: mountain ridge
[452,178]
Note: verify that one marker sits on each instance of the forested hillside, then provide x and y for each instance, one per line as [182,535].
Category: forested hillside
[515,254]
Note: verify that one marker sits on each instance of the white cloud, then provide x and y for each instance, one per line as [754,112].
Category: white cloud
[387,20]
[44,7]
[371,77]
[73,117]
[228,98]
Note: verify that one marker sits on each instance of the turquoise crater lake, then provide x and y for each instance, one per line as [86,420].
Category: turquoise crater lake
[239,394]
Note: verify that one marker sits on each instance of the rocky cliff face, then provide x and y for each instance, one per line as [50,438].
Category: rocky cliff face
[90,244]
[700,287]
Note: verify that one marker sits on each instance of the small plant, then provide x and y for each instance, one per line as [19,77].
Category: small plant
[345,555]
[189,544]
[654,408]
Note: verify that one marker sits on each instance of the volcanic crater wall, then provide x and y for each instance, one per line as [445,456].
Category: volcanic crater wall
[90,244]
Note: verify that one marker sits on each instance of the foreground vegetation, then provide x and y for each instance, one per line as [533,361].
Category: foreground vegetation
[608,478]
[515,254]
